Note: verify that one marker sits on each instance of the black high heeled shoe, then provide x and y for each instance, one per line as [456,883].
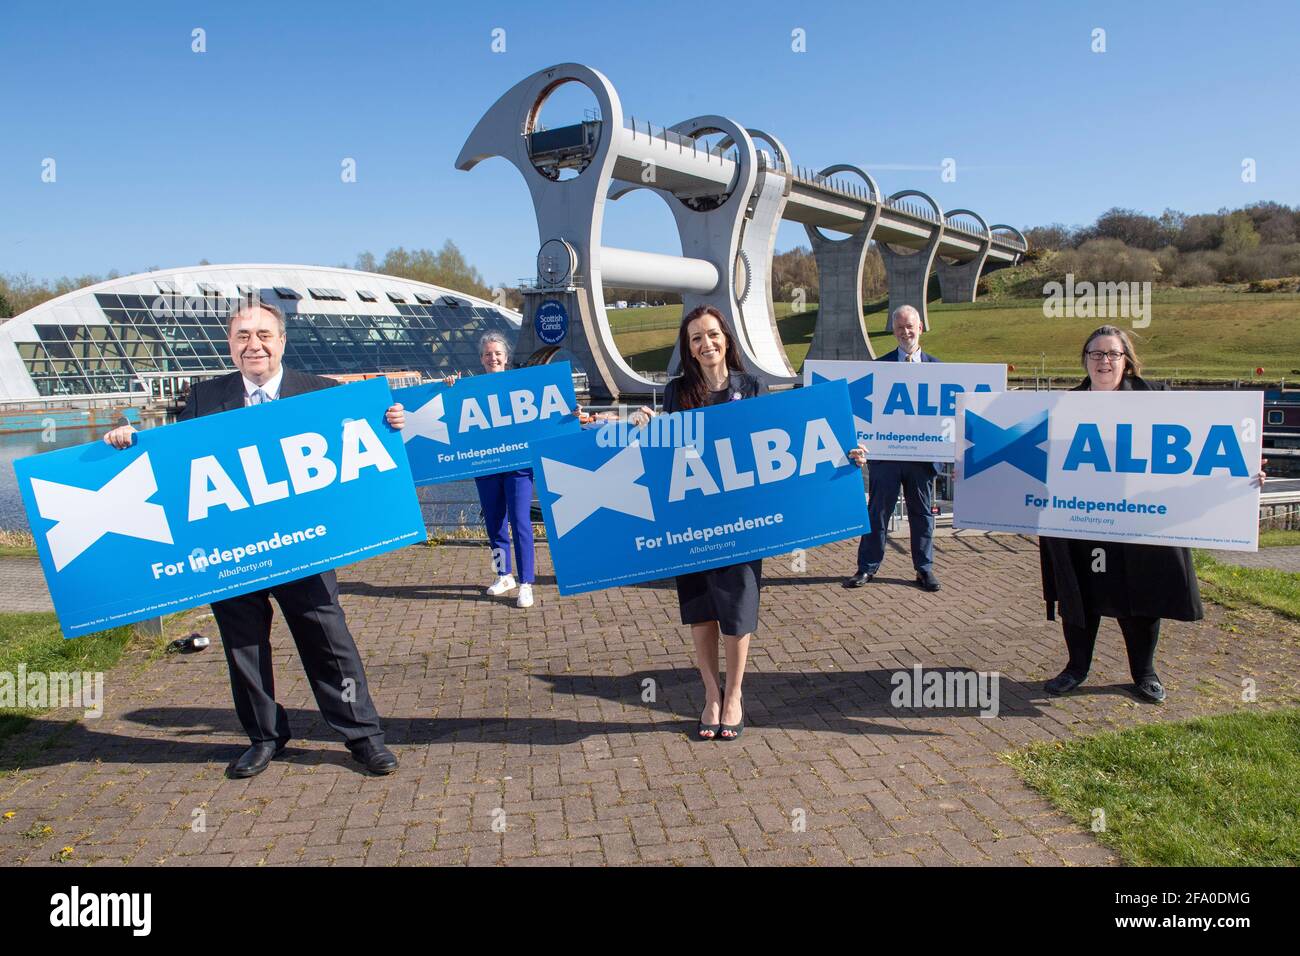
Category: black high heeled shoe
[734,728]
[705,731]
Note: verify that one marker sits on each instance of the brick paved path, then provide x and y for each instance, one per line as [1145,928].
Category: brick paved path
[537,720]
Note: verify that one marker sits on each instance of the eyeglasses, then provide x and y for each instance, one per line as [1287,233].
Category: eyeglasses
[1098,356]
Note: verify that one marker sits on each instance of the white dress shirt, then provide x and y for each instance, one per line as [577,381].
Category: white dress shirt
[271,389]
[913,356]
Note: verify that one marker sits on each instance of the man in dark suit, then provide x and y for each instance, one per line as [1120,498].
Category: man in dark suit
[310,605]
[885,478]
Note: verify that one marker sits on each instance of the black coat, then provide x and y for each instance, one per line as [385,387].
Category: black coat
[747,385]
[227,392]
[1157,580]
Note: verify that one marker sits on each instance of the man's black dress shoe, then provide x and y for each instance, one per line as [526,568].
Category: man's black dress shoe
[859,579]
[926,581]
[1150,690]
[255,759]
[1062,683]
[378,760]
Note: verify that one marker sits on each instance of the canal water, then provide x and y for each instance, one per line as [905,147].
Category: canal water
[446,506]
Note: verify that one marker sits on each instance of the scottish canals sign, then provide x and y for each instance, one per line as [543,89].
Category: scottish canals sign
[551,322]
[485,424]
[745,480]
[907,411]
[219,506]
[1167,468]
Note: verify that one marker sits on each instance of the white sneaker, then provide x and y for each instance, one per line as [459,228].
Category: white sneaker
[503,584]
[525,596]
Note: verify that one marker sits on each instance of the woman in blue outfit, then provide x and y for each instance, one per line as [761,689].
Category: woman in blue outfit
[506,499]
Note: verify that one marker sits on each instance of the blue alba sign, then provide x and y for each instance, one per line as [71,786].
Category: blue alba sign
[219,506]
[739,481]
[485,424]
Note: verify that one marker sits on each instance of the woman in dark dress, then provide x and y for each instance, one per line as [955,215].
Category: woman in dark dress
[720,602]
[1138,584]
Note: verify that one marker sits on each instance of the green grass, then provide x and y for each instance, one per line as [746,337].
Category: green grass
[1215,791]
[1278,538]
[36,640]
[1193,334]
[1232,586]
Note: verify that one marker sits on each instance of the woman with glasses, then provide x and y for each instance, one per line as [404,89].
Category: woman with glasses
[1137,584]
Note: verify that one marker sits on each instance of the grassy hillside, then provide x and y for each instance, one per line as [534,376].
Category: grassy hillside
[1193,334]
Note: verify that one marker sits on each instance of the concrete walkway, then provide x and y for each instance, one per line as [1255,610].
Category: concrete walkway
[1280,559]
[559,735]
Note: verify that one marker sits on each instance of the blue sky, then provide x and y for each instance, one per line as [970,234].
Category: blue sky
[165,157]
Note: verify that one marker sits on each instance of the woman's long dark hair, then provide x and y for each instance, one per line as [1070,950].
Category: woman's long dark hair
[691,387]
